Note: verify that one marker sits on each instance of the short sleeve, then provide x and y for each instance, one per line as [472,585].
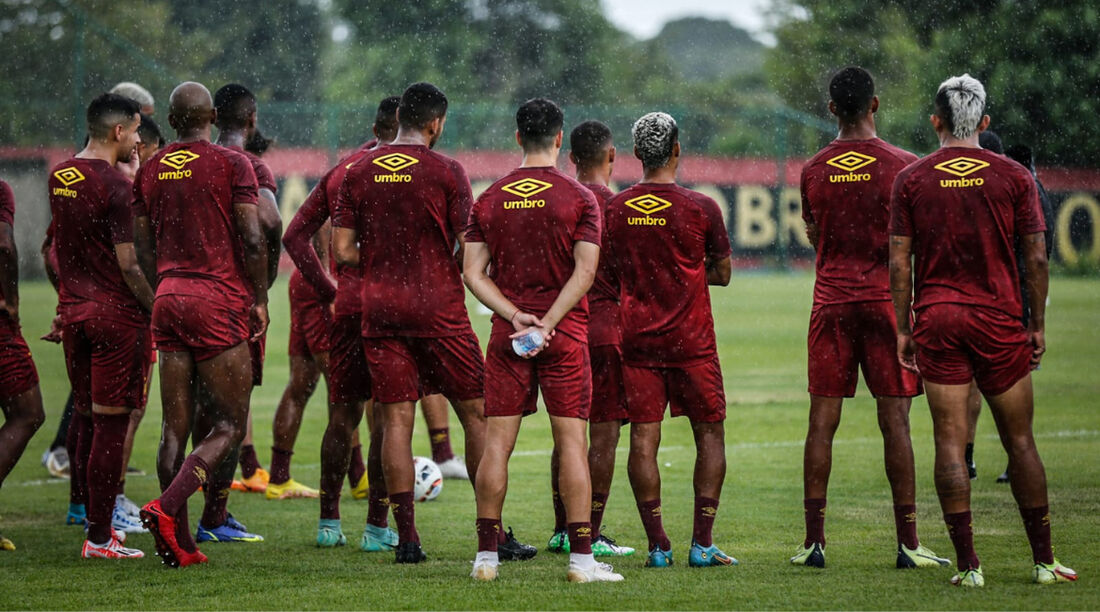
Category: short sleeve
[901,212]
[718,239]
[120,216]
[473,227]
[245,189]
[590,225]
[804,189]
[264,177]
[461,199]
[1028,212]
[345,212]
[7,204]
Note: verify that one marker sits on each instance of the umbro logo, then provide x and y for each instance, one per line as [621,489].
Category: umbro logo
[395,161]
[961,166]
[68,176]
[527,187]
[647,205]
[179,159]
[851,161]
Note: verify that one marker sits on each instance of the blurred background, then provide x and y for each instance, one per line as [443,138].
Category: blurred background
[746,80]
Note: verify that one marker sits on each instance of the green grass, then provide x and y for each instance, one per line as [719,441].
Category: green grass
[761,322]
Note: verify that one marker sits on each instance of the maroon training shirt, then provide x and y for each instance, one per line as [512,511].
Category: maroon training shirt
[659,238]
[964,209]
[408,205]
[846,193]
[90,204]
[530,220]
[603,297]
[188,191]
[8,328]
[318,208]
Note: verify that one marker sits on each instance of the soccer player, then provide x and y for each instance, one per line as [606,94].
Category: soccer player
[955,216]
[129,165]
[104,304]
[151,139]
[407,206]
[349,383]
[592,150]
[236,124]
[197,226]
[846,206]
[665,244]
[538,231]
[436,417]
[20,398]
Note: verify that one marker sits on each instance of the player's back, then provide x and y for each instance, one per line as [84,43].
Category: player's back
[90,205]
[8,327]
[846,194]
[188,190]
[659,238]
[530,220]
[964,208]
[408,205]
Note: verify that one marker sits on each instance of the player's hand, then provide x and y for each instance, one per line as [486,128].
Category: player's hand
[54,334]
[260,320]
[907,352]
[130,166]
[1038,347]
[525,323]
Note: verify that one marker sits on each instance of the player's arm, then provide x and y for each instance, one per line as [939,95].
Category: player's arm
[345,246]
[9,272]
[271,225]
[47,261]
[901,290]
[246,218]
[309,219]
[145,249]
[586,256]
[135,279]
[1036,267]
[475,273]
[719,271]
[812,234]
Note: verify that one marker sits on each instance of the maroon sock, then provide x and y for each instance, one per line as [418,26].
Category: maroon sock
[280,465]
[249,461]
[905,521]
[378,506]
[559,510]
[815,521]
[961,530]
[441,444]
[216,509]
[191,476]
[706,508]
[79,443]
[405,516]
[1037,525]
[104,466]
[599,502]
[580,538]
[183,531]
[488,534]
[650,512]
[356,468]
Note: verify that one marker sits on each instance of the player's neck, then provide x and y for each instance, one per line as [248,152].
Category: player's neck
[664,174]
[540,159]
[99,150]
[193,135]
[232,138]
[410,137]
[593,176]
[864,129]
[947,139]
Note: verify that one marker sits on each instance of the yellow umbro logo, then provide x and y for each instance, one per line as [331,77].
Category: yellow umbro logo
[648,204]
[179,159]
[961,166]
[527,187]
[851,161]
[68,176]
[396,161]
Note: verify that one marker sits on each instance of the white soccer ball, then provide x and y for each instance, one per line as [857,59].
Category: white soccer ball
[427,479]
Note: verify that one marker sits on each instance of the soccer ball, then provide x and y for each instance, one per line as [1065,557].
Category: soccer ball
[427,479]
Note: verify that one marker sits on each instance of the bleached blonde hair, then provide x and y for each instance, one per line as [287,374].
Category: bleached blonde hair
[135,92]
[654,136]
[960,100]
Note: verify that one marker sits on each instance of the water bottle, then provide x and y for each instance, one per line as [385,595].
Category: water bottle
[527,342]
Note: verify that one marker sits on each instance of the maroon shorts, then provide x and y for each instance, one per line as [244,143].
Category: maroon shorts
[845,338]
[562,372]
[957,343]
[349,378]
[608,392]
[108,363]
[17,372]
[185,323]
[404,369]
[256,350]
[694,391]
[310,327]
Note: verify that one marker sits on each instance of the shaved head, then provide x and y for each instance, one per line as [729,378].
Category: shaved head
[190,107]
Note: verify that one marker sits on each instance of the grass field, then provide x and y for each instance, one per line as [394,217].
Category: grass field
[761,322]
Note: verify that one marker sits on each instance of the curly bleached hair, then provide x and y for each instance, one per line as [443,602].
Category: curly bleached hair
[960,101]
[654,136]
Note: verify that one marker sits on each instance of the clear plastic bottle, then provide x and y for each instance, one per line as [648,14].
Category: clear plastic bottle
[527,342]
